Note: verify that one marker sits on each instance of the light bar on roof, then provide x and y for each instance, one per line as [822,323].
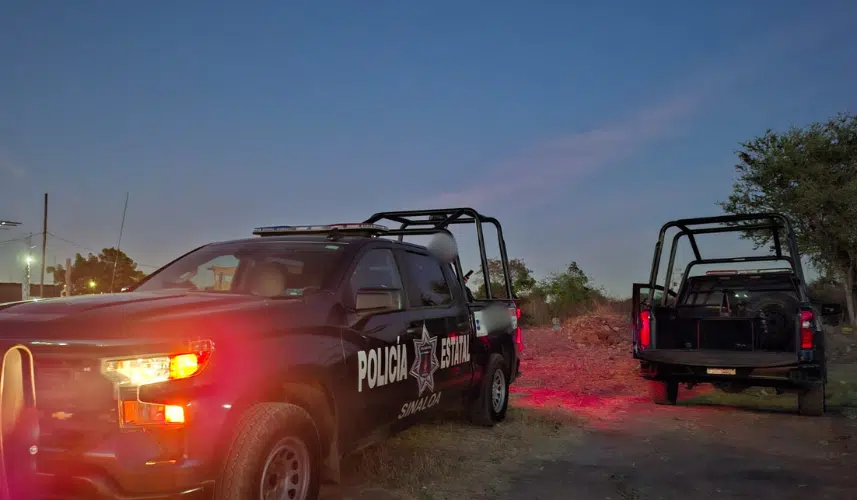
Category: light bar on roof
[326,228]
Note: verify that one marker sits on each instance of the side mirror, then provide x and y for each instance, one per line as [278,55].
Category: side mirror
[831,309]
[377,300]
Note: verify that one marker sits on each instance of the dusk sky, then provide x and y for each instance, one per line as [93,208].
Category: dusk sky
[583,128]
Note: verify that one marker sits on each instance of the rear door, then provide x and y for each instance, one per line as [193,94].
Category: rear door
[439,332]
[642,302]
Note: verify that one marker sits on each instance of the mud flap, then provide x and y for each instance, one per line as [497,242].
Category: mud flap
[19,423]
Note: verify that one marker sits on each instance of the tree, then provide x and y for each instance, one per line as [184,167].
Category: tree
[95,273]
[523,281]
[809,174]
[568,290]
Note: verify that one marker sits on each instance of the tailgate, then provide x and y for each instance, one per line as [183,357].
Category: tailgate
[719,358]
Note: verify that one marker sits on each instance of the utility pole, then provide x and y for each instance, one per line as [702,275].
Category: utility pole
[68,277]
[44,248]
[28,259]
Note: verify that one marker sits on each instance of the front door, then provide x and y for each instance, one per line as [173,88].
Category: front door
[439,329]
[376,346]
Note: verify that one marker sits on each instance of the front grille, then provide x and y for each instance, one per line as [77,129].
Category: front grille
[77,406]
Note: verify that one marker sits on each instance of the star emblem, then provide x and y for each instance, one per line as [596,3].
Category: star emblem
[425,361]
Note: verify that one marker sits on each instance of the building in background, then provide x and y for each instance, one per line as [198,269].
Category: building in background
[11,292]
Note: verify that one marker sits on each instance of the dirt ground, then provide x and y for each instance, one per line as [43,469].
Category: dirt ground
[581,426]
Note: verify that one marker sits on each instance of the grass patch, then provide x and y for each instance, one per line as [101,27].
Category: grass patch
[452,459]
[841,393]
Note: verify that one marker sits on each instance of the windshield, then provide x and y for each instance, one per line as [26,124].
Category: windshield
[270,269]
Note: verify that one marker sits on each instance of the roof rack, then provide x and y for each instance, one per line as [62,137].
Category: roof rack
[432,221]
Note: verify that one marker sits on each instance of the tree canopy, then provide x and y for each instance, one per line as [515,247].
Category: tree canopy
[809,174]
[522,278]
[557,295]
[94,273]
[568,290]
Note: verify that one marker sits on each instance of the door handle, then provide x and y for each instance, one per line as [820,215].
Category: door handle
[415,330]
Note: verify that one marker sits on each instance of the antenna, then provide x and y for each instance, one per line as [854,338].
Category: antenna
[119,244]
[44,248]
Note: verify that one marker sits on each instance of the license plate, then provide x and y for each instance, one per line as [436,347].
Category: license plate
[720,371]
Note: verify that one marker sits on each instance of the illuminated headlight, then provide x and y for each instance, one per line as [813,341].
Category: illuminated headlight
[143,370]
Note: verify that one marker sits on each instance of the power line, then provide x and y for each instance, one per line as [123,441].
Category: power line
[78,245]
[22,238]
[95,252]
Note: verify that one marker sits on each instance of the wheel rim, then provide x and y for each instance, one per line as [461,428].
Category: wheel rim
[286,473]
[498,391]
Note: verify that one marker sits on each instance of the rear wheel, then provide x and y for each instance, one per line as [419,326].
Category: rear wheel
[491,404]
[663,392]
[810,401]
[274,454]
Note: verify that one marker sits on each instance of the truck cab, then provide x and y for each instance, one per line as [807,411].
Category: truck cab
[247,369]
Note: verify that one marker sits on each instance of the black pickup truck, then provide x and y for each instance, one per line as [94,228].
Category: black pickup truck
[246,369]
[733,328]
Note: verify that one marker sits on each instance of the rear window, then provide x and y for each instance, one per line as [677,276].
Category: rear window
[710,290]
[428,286]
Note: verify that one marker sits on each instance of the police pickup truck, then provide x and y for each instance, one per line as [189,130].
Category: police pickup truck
[246,369]
[733,328]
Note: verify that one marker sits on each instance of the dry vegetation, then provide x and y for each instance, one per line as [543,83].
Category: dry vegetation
[576,378]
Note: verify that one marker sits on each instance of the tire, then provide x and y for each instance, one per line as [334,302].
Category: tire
[265,432]
[663,392]
[492,402]
[810,402]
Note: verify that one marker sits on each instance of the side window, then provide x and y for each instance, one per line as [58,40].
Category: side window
[376,269]
[429,287]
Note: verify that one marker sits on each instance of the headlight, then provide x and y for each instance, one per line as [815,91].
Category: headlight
[151,369]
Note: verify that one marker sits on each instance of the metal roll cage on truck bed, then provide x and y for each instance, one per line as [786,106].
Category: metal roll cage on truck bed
[433,221]
[732,328]
[774,222]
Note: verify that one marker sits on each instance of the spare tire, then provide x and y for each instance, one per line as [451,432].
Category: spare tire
[777,319]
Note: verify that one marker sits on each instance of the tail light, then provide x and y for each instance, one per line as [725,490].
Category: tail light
[519,335]
[806,331]
[645,329]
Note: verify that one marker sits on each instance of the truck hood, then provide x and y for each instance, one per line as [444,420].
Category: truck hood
[141,317]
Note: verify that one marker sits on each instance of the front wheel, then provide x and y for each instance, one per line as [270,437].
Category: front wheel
[274,454]
[492,402]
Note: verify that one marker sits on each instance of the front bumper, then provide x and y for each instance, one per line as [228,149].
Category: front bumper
[99,487]
[95,462]
[120,467]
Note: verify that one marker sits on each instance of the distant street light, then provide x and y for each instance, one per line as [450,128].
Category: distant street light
[92,284]
[4,224]
[25,286]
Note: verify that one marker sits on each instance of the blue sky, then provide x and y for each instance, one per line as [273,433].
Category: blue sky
[583,128]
